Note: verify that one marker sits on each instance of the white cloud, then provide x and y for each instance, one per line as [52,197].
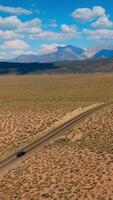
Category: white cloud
[49,48]
[68,29]
[55,36]
[34,22]
[87,14]
[103,22]
[30,27]
[27,31]
[14,53]
[13,28]
[101,35]
[6,35]
[15,44]
[14,23]
[9,23]
[19,52]
[15,11]
[2,55]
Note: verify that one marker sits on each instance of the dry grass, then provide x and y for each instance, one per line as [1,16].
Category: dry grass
[60,172]
[77,166]
[30,104]
[22,126]
[55,90]
[18,127]
[96,133]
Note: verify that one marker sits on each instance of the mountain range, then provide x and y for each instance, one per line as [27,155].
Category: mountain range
[66,53]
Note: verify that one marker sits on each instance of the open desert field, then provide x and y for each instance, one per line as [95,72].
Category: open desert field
[31,104]
[57,90]
[78,165]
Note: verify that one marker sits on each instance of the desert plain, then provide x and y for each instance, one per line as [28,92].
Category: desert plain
[76,165]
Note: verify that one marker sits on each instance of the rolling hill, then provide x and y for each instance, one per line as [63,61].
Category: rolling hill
[83,66]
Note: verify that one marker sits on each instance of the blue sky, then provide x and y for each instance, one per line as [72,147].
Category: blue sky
[39,26]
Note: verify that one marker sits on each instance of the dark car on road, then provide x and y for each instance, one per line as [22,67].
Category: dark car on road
[20,154]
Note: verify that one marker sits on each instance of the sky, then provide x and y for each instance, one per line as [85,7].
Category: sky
[39,26]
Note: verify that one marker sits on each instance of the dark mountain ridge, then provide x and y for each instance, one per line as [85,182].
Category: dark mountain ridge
[104,53]
[84,66]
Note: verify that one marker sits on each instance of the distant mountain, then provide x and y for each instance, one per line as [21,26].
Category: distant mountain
[25,59]
[95,49]
[65,53]
[105,53]
[83,66]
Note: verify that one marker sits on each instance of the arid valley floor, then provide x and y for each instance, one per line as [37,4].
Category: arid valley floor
[76,165]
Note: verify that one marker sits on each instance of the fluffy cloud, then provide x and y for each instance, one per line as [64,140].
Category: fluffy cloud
[6,54]
[87,14]
[30,27]
[15,44]
[101,35]
[34,22]
[2,55]
[9,23]
[68,29]
[6,35]
[18,52]
[15,11]
[103,22]
[55,36]
[14,23]
[49,48]
[13,27]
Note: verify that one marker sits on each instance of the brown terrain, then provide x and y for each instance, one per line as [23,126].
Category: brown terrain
[19,126]
[77,165]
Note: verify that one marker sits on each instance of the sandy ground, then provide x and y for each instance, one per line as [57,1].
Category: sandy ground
[80,168]
[74,113]
[19,127]
[61,172]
